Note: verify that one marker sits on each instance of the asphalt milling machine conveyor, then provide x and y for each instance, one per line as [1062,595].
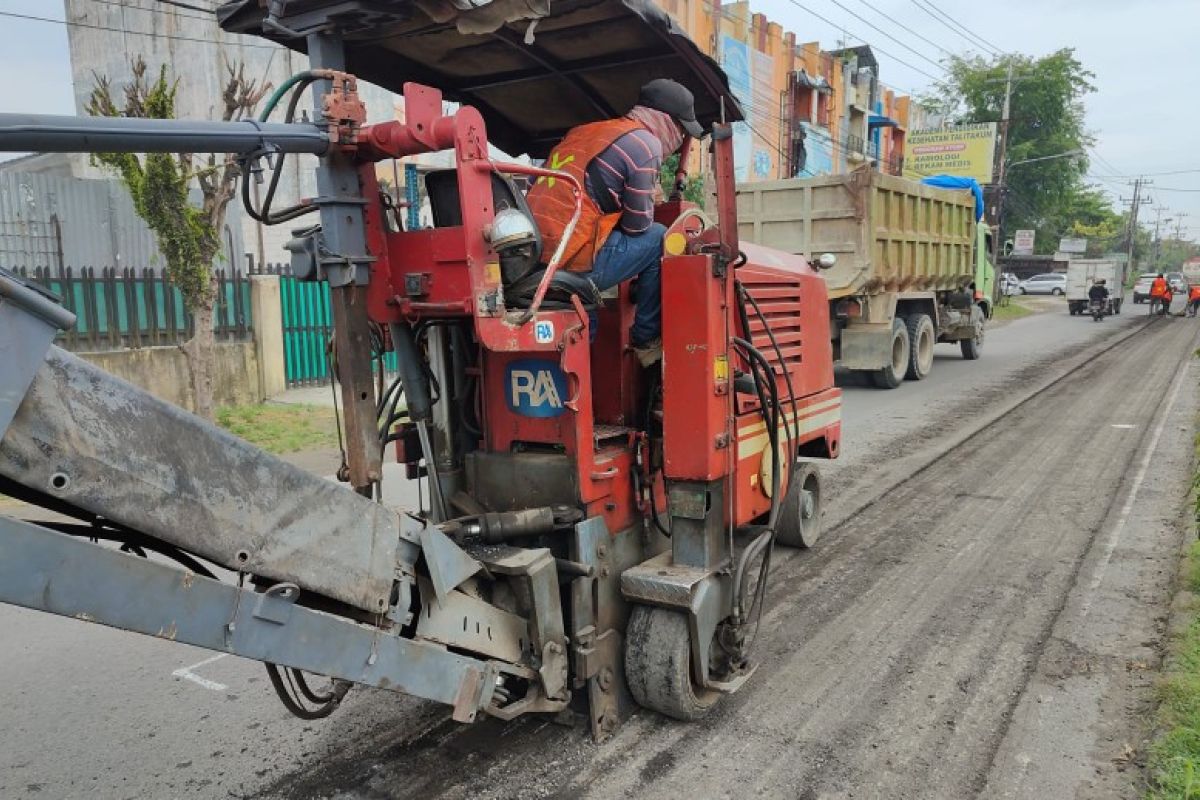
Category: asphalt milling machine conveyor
[599,533]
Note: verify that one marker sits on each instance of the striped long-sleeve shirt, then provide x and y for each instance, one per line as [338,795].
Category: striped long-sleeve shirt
[624,177]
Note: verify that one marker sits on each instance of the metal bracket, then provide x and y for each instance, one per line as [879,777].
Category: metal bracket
[275,604]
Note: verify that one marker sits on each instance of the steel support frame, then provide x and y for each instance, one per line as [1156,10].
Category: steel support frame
[49,571]
[345,262]
[106,447]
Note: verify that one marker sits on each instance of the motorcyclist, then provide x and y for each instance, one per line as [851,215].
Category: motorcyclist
[1099,291]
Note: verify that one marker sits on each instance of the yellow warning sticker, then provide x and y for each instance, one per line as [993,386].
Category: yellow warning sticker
[491,272]
[721,369]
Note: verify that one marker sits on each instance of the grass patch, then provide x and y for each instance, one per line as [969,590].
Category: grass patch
[281,428]
[1013,309]
[1175,756]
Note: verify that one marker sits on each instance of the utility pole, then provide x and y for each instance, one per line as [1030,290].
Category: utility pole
[998,195]
[1179,225]
[1158,212]
[1136,202]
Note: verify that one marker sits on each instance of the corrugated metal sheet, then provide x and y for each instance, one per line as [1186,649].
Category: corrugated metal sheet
[54,222]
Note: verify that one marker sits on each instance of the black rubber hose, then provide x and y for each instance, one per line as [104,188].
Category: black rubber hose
[412,372]
[655,385]
[289,701]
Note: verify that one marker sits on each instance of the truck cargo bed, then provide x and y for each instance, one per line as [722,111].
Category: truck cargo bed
[888,233]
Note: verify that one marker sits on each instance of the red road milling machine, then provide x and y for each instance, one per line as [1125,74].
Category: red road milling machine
[598,534]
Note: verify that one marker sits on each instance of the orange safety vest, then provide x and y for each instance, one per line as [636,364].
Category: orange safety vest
[1194,293]
[1158,288]
[552,201]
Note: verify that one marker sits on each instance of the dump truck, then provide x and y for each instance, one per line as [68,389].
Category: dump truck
[1083,272]
[906,264]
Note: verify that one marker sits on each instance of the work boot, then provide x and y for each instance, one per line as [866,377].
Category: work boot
[649,353]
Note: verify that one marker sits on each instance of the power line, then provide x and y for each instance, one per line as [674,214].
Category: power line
[1173,189]
[892,56]
[900,24]
[15,15]
[962,31]
[964,27]
[1154,174]
[187,6]
[885,33]
[128,7]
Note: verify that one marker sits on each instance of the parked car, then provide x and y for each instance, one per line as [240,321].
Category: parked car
[1141,289]
[1054,283]
[1177,282]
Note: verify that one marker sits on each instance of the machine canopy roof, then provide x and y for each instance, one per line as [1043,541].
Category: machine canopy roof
[533,68]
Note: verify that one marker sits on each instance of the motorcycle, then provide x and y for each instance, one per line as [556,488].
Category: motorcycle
[1097,309]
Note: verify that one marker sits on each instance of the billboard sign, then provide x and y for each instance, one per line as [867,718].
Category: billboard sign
[735,59]
[967,151]
[1076,246]
[1023,243]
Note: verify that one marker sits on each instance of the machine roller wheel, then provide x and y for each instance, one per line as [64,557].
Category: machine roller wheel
[893,374]
[658,664]
[800,515]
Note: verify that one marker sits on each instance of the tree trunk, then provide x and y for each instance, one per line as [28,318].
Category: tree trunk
[200,353]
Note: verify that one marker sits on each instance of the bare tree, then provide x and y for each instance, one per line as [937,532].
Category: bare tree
[189,237]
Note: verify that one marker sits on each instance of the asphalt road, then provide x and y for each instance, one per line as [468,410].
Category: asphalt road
[981,618]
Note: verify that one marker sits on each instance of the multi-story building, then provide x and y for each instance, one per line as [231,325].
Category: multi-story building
[809,111]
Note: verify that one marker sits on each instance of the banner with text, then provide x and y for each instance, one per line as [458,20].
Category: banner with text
[967,151]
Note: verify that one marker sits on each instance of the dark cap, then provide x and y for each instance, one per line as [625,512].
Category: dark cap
[670,97]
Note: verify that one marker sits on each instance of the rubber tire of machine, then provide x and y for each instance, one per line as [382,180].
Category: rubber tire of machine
[892,375]
[799,522]
[972,348]
[658,664]
[921,336]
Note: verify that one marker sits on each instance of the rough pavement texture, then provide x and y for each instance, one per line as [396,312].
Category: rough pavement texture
[950,638]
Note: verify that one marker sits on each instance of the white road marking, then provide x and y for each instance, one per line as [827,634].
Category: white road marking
[1123,427]
[187,674]
[1139,477]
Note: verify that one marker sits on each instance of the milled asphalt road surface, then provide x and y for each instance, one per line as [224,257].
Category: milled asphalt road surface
[981,618]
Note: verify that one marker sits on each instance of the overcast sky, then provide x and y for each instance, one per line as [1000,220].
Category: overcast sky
[1144,115]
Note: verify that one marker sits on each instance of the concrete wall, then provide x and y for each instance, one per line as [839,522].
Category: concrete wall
[247,372]
[162,371]
[267,308]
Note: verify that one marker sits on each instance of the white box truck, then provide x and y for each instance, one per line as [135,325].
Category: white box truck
[1083,272]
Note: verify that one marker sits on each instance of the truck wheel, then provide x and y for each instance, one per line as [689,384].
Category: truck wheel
[972,348]
[890,376]
[658,664]
[800,515]
[921,338]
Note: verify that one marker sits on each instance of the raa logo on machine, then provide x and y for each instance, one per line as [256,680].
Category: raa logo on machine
[535,387]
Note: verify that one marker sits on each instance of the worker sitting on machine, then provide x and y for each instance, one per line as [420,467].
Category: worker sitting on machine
[616,239]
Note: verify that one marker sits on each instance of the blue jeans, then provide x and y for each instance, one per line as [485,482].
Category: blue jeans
[623,257]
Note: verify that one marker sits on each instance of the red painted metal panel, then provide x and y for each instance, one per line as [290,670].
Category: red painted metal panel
[696,377]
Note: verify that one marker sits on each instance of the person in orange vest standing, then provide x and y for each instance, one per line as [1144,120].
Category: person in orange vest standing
[1193,299]
[1159,294]
[617,161]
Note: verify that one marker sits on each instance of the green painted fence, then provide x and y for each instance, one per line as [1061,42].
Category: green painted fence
[128,308]
[307,327]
